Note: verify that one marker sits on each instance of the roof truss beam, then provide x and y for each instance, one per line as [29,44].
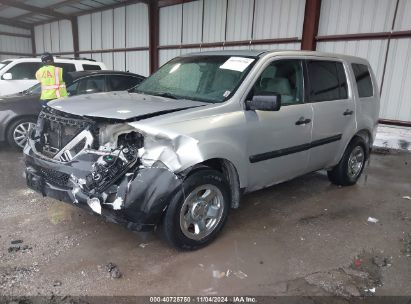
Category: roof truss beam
[15,23]
[34,9]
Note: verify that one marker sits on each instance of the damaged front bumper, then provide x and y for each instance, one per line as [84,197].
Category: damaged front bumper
[131,194]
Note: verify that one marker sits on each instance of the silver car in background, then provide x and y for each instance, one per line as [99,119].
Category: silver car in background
[180,150]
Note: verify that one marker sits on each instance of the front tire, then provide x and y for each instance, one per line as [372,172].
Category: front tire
[196,214]
[18,132]
[352,164]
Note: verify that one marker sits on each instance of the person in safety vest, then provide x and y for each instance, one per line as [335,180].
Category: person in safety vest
[51,79]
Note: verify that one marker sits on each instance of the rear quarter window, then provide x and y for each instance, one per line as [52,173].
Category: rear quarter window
[91,67]
[363,80]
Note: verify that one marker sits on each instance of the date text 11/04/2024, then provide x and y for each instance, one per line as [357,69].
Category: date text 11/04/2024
[204,299]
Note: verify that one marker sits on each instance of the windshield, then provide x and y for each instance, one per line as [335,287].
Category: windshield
[4,63]
[36,89]
[203,78]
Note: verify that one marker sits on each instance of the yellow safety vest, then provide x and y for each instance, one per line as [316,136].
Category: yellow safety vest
[52,84]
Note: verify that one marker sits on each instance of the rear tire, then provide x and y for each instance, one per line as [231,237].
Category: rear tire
[196,214]
[17,132]
[351,165]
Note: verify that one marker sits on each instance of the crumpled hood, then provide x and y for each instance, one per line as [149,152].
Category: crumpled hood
[120,105]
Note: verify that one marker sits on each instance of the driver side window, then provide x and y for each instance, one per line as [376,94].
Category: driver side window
[283,77]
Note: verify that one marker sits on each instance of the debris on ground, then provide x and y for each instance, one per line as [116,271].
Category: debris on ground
[407,245]
[15,242]
[218,274]
[381,261]
[361,278]
[57,283]
[240,274]
[15,276]
[407,197]
[143,245]
[113,270]
[372,220]
[12,249]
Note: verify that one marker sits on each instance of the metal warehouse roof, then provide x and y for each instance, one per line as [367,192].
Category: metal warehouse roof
[27,13]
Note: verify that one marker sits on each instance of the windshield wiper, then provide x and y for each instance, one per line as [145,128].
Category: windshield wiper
[167,95]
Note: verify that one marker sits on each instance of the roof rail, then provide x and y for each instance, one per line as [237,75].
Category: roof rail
[76,58]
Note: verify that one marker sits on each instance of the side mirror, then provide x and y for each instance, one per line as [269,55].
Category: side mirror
[7,76]
[271,102]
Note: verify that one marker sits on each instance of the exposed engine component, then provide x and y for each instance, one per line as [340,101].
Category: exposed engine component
[110,167]
[131,139]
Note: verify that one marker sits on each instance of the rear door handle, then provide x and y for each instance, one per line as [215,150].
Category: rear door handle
[303,121]
[348,112]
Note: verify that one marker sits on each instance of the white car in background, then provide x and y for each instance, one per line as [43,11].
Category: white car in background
[17,75]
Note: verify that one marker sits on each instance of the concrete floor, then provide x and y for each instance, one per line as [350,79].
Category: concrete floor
[303,237]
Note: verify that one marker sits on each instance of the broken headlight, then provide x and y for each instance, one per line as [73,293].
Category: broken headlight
[110,167]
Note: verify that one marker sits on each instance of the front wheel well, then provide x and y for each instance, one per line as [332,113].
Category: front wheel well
[228,170]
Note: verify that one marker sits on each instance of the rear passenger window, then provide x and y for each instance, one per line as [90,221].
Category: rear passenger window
[121,83]
[327,80]
[363,79]
[93,84]
[91,67]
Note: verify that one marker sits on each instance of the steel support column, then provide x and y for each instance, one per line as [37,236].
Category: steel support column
[74,30]
[33,42]
[311,21]
[154,33]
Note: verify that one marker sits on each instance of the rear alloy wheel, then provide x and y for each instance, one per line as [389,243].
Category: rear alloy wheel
[19,131]
[197,213]
[350,167]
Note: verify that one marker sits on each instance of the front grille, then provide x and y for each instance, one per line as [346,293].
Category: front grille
[54,177]
[59,128]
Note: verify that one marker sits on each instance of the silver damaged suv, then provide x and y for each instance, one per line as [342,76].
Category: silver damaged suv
[180,149]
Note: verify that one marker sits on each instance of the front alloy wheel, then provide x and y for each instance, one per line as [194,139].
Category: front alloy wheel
[197,212]
[201,212]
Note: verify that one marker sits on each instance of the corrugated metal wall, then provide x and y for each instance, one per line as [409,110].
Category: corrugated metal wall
[210,21]
[14,44]
[54,37]
[119,28]
[364,16]
[189,27]
[396,98]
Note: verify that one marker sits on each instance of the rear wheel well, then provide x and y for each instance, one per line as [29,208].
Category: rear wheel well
[229,171]
[365,136]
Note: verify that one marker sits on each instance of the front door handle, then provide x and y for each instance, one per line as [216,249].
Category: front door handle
[303,121]
[348,112]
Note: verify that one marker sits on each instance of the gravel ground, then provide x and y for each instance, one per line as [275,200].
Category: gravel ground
[303,237]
